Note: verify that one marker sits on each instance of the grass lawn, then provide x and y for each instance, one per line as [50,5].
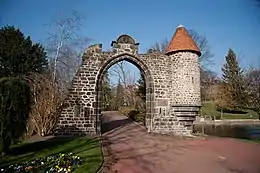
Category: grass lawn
[256,141]
[86,148]
[251,140]
[209,108]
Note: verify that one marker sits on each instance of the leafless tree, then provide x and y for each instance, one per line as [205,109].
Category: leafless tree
[127,79]
[159,46]
[208,80]
[252,87]
[206,55]
[65,47]
[47,101]
[201,41]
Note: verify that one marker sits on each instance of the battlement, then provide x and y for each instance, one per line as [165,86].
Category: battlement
[95,48]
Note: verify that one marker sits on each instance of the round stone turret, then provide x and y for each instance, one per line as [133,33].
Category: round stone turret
[185,94]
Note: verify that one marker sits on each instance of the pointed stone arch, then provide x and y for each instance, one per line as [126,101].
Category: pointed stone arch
[148,80]
[172,86]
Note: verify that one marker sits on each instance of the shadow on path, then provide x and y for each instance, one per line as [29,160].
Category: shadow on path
[113,124]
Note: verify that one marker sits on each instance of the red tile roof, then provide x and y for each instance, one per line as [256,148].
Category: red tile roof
[182,41]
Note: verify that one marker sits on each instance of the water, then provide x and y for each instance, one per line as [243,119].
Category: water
[233,131]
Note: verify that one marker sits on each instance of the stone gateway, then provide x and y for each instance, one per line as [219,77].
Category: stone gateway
[172,86]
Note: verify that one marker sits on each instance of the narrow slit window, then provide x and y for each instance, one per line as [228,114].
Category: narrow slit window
[87,112]
[77,110]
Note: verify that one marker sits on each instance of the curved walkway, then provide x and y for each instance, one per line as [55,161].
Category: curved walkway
[132,150]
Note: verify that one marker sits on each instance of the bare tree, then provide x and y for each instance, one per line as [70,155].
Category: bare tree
[119,70]
[127,79]
[46,106]
[159,46]
[65,47]
[206,56]
[208,80]
[252,87]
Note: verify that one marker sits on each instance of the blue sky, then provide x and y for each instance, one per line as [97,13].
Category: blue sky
[226,23]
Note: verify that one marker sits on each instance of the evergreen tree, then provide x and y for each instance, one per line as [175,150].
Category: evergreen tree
[107,95]
[18,55]
[141,87]
[14,110]
[119,100]
[233,79]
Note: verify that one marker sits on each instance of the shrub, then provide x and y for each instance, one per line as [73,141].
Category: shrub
[47,101]
[133,114]
[125,110]
[225,110]
[14,109]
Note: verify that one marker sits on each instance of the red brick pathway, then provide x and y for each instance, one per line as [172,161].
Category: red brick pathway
[133,150]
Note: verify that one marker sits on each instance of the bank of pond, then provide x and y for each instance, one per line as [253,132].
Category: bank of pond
[249,132]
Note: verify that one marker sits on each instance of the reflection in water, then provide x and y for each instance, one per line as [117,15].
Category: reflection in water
[234,131]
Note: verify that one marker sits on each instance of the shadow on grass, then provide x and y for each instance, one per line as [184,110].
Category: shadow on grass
[87,148]
[38,146]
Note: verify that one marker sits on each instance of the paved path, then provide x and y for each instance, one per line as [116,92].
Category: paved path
[133,150]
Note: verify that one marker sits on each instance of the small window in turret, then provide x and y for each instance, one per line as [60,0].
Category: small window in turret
[192,80]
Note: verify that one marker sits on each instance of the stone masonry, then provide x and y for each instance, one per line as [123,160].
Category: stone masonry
[172,81]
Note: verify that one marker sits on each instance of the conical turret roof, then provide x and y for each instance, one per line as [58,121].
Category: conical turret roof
[182,41]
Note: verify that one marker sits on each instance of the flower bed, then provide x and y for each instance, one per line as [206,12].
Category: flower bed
[63,163]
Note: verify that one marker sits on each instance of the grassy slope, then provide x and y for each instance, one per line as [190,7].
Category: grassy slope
[209,108]
[257,141]
[251,140]
[87,149]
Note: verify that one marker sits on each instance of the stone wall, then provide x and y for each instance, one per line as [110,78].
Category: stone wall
[186,79]
[185,94]
[166,79]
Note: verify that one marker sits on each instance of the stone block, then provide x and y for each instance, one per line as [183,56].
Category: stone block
[162,102]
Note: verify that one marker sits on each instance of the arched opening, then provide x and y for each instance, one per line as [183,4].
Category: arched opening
[148,83]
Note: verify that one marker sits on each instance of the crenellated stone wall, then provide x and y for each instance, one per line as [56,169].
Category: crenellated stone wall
[172,93]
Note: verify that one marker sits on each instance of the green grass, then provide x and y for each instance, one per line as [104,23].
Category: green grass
[251,140]
[209,108]
[88,149]
[257,141]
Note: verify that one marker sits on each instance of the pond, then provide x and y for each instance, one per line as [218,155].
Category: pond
[251,132]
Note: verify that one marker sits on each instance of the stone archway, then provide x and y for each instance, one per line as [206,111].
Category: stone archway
[148,80]
[172,80]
